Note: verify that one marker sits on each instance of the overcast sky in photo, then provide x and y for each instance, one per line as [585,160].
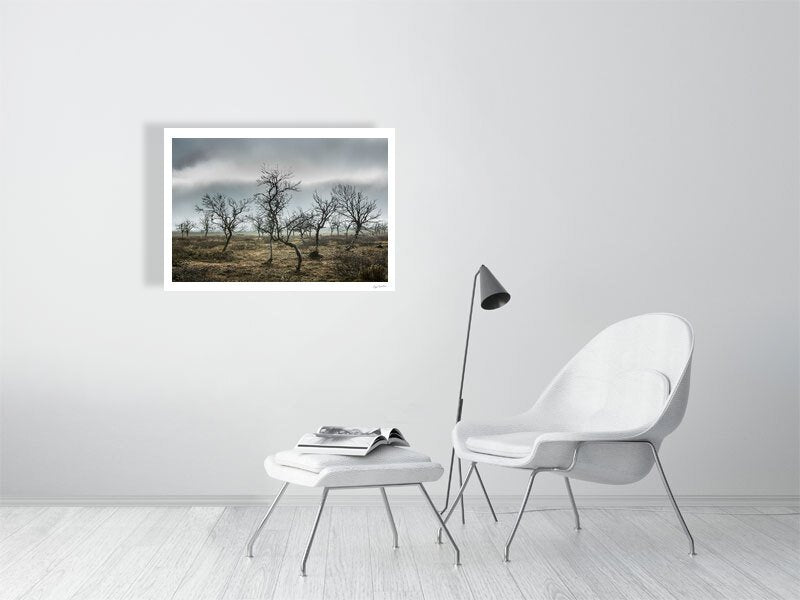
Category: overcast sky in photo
[232,166]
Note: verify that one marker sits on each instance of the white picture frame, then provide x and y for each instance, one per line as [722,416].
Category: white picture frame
[275,135]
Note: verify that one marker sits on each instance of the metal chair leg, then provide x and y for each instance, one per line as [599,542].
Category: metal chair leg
[485,495]
[519,516]
[391,518]
[574,507]
[442,523]
[257,532]
[455,502]
[672,500]
[461,482]
[313,531]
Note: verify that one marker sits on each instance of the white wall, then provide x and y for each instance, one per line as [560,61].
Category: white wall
[604,160]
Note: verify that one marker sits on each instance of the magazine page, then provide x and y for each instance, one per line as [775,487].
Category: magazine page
[347,445]
[394,436]
[390,433]
[341,430]
[362,442]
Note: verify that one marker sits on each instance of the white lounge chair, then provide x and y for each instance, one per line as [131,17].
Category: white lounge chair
[601,419]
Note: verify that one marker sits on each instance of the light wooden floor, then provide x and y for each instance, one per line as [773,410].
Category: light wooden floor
[82,553]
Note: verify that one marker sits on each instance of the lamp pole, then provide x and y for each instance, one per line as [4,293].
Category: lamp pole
[458,417]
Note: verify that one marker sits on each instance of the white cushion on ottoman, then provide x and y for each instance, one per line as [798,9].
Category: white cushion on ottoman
[385,465]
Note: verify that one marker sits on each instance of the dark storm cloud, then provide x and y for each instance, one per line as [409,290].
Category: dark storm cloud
[186,153]
[231,166]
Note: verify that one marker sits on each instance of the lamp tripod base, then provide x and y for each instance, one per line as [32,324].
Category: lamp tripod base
[493,295]
[460,483]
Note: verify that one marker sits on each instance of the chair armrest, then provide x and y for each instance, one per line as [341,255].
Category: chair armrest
[559,451]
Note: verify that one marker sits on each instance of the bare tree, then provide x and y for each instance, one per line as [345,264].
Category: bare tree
[336,223]
[259,222]
[206,221]
[356,207]
[226,213]
[304,223]
[185,227]
[285,227]
[380,228]
[321,212]
[272,202]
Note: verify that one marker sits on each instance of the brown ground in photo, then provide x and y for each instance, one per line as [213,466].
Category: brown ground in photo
[196,258]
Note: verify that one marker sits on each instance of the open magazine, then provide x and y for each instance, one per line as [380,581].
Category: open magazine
[349,441]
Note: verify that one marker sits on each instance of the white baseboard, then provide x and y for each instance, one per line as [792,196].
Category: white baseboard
[366,499]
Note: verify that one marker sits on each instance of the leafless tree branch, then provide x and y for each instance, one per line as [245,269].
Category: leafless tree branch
[226,213]
[356,207]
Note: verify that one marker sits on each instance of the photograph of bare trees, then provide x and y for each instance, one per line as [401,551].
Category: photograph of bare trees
[279,209]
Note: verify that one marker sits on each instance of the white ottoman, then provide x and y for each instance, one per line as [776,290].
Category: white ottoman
[384,467]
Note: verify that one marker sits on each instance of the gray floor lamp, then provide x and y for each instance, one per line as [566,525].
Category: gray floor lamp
[493,295]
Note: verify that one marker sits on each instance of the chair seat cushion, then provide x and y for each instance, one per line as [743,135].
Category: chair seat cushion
[509,445]
[387,465]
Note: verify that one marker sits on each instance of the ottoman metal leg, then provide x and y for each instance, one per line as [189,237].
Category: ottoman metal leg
[313,531]
[264,521]
[391,518]
[442,523]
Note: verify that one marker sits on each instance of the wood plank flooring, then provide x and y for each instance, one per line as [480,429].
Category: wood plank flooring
[163,553]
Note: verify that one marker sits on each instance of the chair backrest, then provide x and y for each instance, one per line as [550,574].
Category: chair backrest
[632,375]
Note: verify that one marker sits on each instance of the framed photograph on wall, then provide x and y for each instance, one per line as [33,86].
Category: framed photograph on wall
[279,209]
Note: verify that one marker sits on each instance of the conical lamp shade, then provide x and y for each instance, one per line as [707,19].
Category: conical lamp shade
[493,294]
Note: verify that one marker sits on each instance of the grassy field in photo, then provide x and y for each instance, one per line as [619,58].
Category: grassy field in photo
[197,258]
